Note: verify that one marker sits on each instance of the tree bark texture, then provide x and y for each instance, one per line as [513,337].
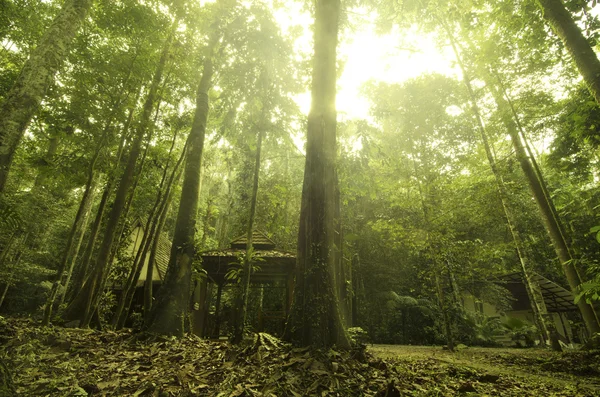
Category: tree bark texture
[23,100]
[561,21]
[315,317]
[169,313]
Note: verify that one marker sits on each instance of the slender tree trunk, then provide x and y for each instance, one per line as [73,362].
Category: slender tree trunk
[84,207]
[78,224]
[24,98]
[248,259]
[150,237]
[561,21]
[224,232]
[168,315]
[538,312]
[75,255]
[445,315]
[140,257]
[122,224]
[82,272]
[532,157]
[148,293]
[439,291]
[6,286]
[92,288]
[315,317]
[207,219]
[547,216]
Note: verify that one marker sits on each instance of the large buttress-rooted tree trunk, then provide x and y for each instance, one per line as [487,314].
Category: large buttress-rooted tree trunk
[24,98]
[579,48]
[315,317]
[169,313]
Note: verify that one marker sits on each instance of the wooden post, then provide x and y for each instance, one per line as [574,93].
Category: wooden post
[564,327]
[217,330]
[199,307]
[289,293]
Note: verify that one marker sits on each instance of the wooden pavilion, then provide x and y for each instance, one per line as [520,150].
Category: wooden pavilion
[275,266]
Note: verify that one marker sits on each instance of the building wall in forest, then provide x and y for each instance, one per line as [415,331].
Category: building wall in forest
[162,257]
[472,304]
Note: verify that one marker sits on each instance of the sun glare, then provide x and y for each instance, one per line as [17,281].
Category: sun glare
[365,55]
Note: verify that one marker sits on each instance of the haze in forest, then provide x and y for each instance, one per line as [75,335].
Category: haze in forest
[246,197]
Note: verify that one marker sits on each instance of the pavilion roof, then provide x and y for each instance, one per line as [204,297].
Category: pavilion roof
[273,264]
[259,241]
[556,297]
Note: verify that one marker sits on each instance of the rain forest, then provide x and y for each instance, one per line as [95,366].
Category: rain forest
[299,198]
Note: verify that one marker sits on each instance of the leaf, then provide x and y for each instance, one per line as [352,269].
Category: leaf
[351,237]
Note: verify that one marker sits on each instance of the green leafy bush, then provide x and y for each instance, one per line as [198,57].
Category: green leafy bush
[522,332]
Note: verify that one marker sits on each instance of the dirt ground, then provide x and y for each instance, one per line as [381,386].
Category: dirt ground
[580,370]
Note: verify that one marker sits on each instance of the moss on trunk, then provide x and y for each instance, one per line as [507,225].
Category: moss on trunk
[23,100]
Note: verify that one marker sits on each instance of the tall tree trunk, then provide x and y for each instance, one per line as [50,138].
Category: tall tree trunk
[144,246]
[532,156]
[24,98]
[561,21]
[80,218]
[248,259]
[444,309]
[538,311]
[315,317]
[6,286]
[547,215]
[433,254]
[207,219]
[153,224]
[91,291]
[84,207]
[82,271]
[77,248]
[168,315]
[148,293]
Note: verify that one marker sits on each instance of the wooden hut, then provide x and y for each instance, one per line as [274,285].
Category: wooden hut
[275,267]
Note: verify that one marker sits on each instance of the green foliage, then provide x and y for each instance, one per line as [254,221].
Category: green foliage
[358,336]
[521,332]
[237,269]
[475,329]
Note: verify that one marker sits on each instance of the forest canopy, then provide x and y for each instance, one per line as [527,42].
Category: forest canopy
[408,154]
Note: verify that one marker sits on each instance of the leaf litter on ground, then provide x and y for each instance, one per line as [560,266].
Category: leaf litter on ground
[56,361]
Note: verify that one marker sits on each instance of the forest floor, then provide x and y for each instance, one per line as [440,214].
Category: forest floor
[56,361]
[570,369]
